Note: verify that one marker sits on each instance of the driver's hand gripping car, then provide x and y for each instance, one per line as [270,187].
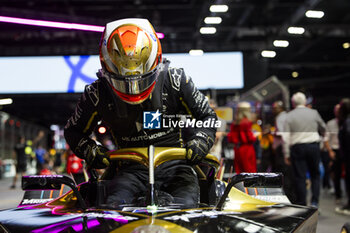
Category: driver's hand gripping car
[135,80]
[95,156]
[197,149]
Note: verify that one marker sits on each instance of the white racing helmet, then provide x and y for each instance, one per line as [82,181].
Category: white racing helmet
[131,54]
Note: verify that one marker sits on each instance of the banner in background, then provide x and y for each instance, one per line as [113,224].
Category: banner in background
[61,74]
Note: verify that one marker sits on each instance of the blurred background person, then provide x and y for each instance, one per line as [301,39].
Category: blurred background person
[216,150]
[30,154]
[57,164]
[228,156]
[46,169]
[74,166]
[20,158]
[267,157]
[344,142]
[325,165]
[280,113]
[257,131]
[331,146]
[303,127]
[40,154]
[243,138]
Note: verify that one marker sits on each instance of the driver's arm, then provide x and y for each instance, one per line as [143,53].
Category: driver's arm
[81,124]
[196,104]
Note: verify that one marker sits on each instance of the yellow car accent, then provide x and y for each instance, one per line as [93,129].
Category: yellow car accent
[161,155]
[240,201]
[169,226]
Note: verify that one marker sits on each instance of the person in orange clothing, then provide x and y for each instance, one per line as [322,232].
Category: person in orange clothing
[243,138]
[74,166]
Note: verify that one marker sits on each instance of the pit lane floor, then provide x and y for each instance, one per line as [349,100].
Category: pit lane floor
[329,221]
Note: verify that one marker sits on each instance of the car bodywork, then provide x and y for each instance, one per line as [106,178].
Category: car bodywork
[221,210]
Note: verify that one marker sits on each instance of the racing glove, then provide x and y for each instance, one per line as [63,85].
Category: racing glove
[197,149]
[96,156]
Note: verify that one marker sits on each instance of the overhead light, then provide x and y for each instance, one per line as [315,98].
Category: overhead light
[207,30]
[295,74]
[6,101]
[218,8]
[346,45]
[281,43]
[268,53]
[314,14]
[296,30]
[212,20]
[55,24]
[196,52]
[44,23]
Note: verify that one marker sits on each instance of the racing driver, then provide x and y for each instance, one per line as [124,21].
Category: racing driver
[134,79]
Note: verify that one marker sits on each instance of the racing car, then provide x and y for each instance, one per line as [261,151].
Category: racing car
[249,202]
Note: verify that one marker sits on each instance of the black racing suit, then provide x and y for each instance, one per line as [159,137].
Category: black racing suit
[174,93]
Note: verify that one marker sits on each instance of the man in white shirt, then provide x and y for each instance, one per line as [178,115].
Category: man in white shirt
[303,127]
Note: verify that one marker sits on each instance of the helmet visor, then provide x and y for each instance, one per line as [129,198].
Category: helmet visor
[133,84]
